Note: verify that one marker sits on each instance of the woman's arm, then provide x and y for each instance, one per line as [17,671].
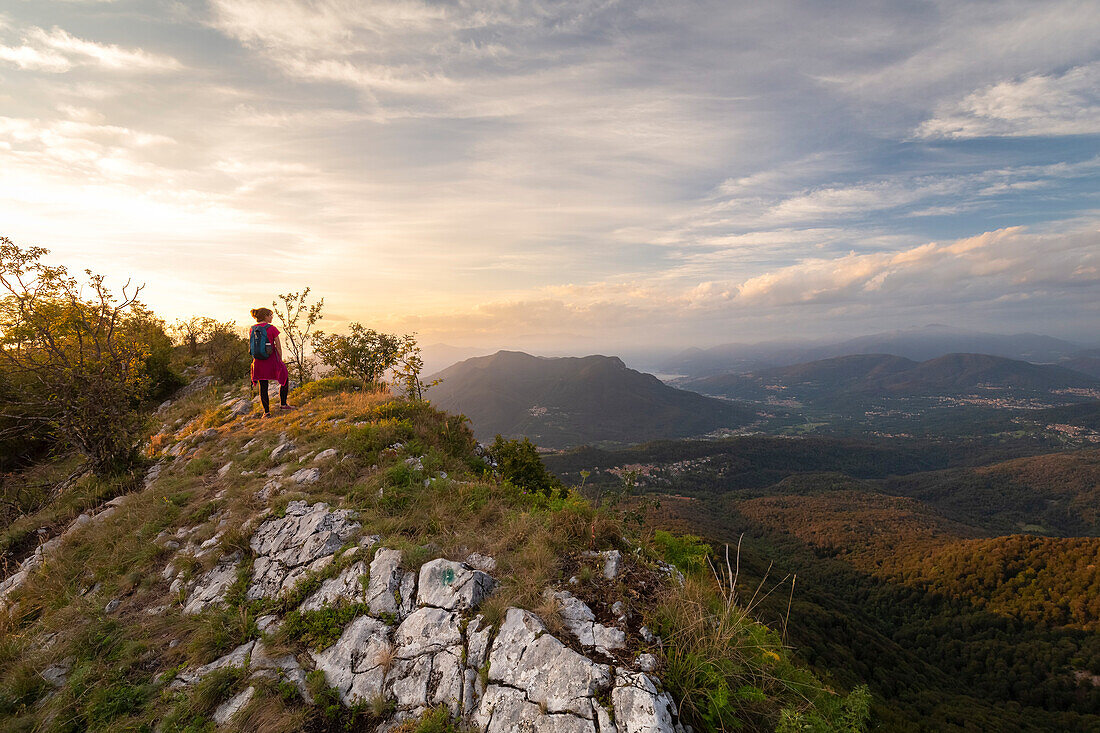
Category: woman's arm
[278,348]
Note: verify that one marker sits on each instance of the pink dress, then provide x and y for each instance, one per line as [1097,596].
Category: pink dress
[272,368]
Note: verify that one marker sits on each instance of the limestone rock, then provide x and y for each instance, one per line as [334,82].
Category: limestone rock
[195,387]
[211,587]
[581,622]
[288,547]
[639,707]
[237,658]
[389,588]
[481,562]
[452,585]
[240,408]
[153,474]
[306,476]
[234,705]
[56,674]
[505,710]
[325,455]
[268,623]
[427,668]
[282,449]
[528,658]
[477,642]
[347,585]
[357,663]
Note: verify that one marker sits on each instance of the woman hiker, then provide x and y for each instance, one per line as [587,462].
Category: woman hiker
[271,368]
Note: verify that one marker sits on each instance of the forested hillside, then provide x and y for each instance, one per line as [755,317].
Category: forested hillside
[912,577]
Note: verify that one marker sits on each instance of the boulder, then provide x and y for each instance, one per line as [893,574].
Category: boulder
[356,665]
[527,658]
[452,585]
[390,589]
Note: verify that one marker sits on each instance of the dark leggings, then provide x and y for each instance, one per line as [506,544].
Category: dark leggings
[283,390]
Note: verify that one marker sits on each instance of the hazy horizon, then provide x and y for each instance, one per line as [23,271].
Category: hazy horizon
[585,176]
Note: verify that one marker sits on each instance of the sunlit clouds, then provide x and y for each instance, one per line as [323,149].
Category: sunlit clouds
[581,174]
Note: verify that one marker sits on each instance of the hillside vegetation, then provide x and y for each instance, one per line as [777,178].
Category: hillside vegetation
[560,402]
[96,635]
[912,574]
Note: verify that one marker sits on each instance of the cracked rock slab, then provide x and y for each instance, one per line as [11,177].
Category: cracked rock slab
[427,668]
[212,586]
[525,656]
[390,589]
[507,710]
[640,708]
[288,547]
[345,586]
[453,585]
[356,664]
[581,622]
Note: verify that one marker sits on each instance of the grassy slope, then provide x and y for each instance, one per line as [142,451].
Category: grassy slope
[121,660]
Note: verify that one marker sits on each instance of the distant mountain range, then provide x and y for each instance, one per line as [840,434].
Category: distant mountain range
[561,402]
[885,374]
[920,344]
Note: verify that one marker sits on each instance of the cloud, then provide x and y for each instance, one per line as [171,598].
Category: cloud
[1043,105]
[1048,271]
[58,51]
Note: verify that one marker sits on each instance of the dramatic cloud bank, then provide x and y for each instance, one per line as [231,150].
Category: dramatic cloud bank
[590,172]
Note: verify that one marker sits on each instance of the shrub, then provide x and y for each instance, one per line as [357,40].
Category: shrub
[80,366]
[687,552]
[729,672]
[327,386]
[519,463]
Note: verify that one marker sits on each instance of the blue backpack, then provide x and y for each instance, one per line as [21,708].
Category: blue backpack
[258,345]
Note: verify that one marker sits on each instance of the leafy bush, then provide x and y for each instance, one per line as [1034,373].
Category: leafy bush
[77,365]
[519,463]
[327,386]
[687,552]
[321,628]
[226,353]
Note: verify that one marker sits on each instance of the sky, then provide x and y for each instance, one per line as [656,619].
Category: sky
[576,175]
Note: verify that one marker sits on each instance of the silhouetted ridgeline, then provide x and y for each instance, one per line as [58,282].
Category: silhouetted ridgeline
[559,402]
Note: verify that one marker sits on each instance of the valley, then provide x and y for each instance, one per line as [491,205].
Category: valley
[963,588]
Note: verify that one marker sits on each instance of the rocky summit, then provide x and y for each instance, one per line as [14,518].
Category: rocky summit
[363,564]
[421,643]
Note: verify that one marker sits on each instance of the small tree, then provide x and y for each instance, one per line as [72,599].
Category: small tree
[225,351]
[519,462]
[298,319]
[193,332]
[81,363]
[363,353]
[408,368]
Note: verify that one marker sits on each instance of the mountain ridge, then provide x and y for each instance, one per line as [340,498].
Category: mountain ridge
[562,401]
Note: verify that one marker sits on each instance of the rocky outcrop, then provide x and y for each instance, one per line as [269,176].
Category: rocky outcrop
[290,547]
[420,643]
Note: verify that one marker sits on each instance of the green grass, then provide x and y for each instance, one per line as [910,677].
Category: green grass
[716,662]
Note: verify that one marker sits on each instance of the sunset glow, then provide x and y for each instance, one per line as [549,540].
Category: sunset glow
[584,175]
